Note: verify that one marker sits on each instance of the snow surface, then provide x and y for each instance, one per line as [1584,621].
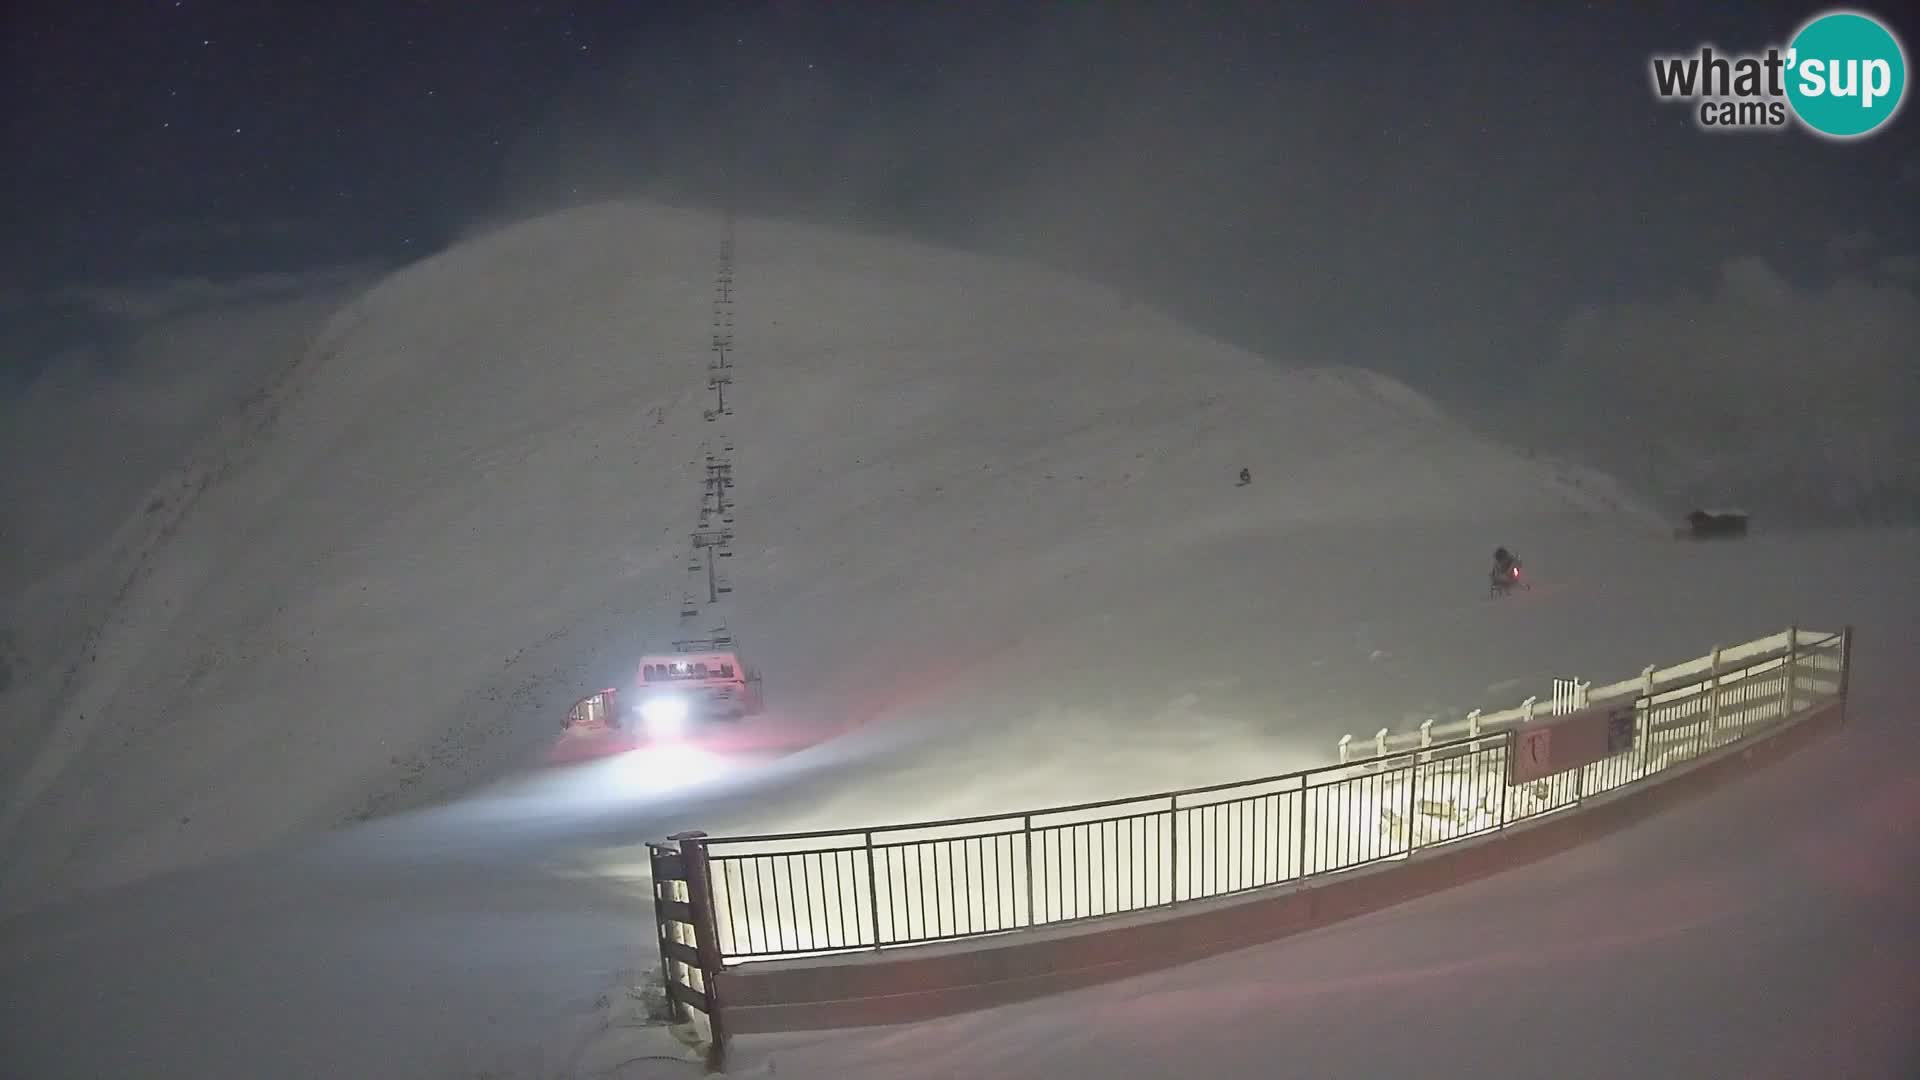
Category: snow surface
[1766,929]
[967,489]
[95,440]
[462,513]
[1764,932]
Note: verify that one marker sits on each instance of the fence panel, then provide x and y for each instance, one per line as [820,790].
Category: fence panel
[935,889]
[813,895]
[1346,812]
[1457,793]
[808,893]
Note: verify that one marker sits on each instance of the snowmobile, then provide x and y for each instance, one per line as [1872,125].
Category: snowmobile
[1505,578]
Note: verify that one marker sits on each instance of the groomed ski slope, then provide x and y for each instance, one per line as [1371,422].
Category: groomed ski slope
[1765,931]
[977,502]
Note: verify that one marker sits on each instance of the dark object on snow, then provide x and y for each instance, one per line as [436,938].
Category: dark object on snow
[1246,477]
[1505,575]
[1506,565]
[1714,525]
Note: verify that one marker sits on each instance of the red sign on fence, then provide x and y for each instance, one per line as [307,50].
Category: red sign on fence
[1557,744]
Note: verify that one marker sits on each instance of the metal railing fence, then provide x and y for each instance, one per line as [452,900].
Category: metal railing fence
[797,894]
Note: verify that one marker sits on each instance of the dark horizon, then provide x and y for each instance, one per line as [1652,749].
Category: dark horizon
[1450,197]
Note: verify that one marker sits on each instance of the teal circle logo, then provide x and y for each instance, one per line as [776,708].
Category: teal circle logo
[1846,74]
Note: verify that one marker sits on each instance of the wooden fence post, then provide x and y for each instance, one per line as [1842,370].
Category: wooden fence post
[666,866]
[706,939]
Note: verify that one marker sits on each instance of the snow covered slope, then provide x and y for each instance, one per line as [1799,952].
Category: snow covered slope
[1764,932]
[100,425]
[975,499]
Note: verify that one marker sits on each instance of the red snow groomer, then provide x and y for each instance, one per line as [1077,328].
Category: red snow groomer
[677,691]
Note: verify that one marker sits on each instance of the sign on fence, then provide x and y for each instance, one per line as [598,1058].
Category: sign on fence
[1572,741]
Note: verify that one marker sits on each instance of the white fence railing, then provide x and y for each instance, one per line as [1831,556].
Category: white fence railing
[1652,681]
[797,894]
[1569,695]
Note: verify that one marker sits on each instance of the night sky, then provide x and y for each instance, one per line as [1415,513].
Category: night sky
[1428,191]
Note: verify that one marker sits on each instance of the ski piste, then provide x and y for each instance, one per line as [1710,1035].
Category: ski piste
[702,678]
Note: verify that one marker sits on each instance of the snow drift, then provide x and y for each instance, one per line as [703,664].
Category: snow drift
[976,500]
